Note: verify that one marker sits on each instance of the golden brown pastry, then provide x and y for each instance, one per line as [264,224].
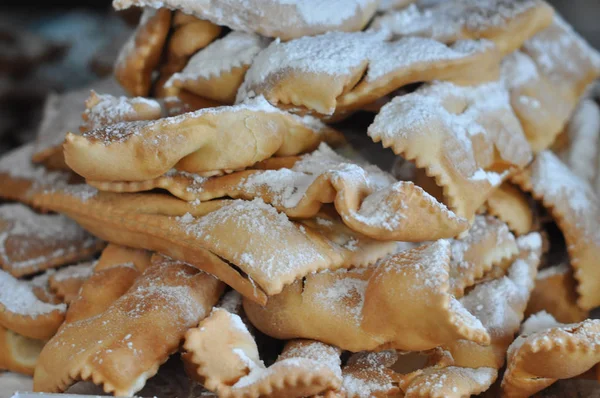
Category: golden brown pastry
[274,18]
[123,346]
[368,374]
[207,142]
[467,138]
[576,210]
[18,353]
[337,73]
[511,205]
[364,309]
[141,54]
[66,282]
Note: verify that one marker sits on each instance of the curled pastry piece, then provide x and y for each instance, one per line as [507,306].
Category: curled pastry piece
[67,281]
[361,309]
[22,312]
[547,351]
[564,58]
[583,135]
[20,178]
[576,209]
[117,348]
[274,18]
[140,55]
[507,23]
[448,382]
[368,374]
[510,205]
[467,138]
[554,293]
[18,353]
[223,354]
[486,244]
[268,249]
[61,114]
[105,109]
[499,305]
[207,141]
[114,273]
[31,242]
[368,200]
[217,71]
[337,72]
[40,287]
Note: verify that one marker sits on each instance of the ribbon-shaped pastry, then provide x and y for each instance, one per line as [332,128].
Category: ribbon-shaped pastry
[66,282]
[117,348]
[217,71]
[31,242]
[467,138]
[18,353]
[374,308]
[368,374]
[141,54]
[368,200]
[576,209]
[510,205]
[505,22]
[274,18]
[223,354]
[208,141]
[336,73]
[547,351]
[22,312]
[270,250]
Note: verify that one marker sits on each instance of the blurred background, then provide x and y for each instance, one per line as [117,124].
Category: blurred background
[62,45]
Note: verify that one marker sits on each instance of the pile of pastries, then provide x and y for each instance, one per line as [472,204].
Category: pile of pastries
[205,204]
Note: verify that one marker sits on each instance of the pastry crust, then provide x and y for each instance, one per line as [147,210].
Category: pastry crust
[208,141]
[66,282]
[22,312]
[368,200]
[270,250]
[510,205]
[369,374]
[141,54]
[336,73]
[507,23]
[576,209]
[223,355]
[360,309]
[429,127]
[18,353]
[116,348]
[548,351]
[31,242]
[274,18]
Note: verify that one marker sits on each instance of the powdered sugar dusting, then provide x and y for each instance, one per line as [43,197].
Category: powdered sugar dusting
[30,230]
[17,164]
[17,297]
[79,271]
[561,269]
[109,109]
[518,69]
[321,353]
[349,291]
[235,50]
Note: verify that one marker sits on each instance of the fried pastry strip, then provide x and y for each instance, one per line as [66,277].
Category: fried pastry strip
[141,54]
[500,306]
[274,18]
[368,200]
[114,273]
[554,293]
[510,205]
[547,351]
[18,353]
[270,250]
[31,242]
[508,23]
[336,73]
[467,138]
[368,374]
[66,282]
[22,312]
[207,141]
[223,354]
[20,178]
[576,209]
[362,309]
[487,243]
[217,71]
[123,346]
